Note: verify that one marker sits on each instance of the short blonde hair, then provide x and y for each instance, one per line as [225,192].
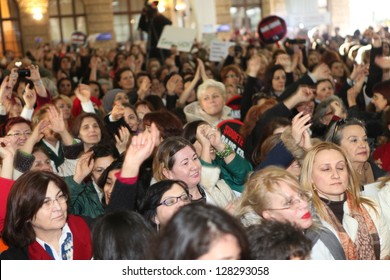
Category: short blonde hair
[255,197]
[210,83]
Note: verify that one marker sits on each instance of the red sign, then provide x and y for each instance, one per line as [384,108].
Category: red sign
[272,29]
[230,130]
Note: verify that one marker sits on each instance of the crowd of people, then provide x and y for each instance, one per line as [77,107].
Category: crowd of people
[116,154]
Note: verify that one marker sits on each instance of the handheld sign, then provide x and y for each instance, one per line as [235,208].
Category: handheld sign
[183,38]
[230,130]
[219,50]
[272,29]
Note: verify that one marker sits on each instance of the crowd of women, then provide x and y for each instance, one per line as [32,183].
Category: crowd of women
[112,154]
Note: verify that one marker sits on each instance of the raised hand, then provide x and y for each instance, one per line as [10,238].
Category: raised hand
[83,92]
[141,147]
[29,97]
[34,73]
[5,90]
[58,125]
[84,167]
[299,126]
[7,153]
[122,140]
[118,111]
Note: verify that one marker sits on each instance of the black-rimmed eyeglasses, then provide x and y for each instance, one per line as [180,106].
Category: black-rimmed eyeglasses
[169,201]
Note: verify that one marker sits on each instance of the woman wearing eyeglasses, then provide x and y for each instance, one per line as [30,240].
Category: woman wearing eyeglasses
[350,134]
[16,131]
[162,200]
[37,226]
[176,159]
[328,175]
[275,194]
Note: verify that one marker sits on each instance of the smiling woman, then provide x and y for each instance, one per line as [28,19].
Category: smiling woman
[350,134]
[210,106]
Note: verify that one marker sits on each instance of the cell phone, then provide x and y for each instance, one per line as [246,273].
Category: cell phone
[24,72]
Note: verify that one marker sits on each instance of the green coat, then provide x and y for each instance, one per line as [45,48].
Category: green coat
[83,199]
[235,173]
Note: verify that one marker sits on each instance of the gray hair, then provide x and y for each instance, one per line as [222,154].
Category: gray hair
[210,83]
[322,108]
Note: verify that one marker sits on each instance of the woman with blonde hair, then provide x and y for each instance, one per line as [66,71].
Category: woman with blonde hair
[275,194]
[328,175]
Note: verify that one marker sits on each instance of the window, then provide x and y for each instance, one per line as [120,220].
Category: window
[66,17]
[126,16]
[10,35]
[246,14]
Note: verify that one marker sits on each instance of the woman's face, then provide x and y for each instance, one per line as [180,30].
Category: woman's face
[90,132]
[131,118]
[225,247]
[100,164]
[41,162]
[65,88]
[109,185]
[65,108]
[142,110]
[94,90]
[187,167]
[51,217]
[18,134]
[16,108]
[354,142]
[279,80]
[324,90]
[164,213]
[232,78]
[121,97]
[212,102]
[287,205]
[379,101]
[126,81]
[337,70]
[330,175]
[230,91]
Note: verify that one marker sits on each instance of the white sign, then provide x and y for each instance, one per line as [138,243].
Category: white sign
[219,50]
[183,38]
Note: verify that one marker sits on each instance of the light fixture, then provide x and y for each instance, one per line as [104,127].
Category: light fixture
[37,13]
[161,6]
[180,6]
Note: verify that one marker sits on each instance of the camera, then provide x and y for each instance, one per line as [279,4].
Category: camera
[296,41]
[24,72]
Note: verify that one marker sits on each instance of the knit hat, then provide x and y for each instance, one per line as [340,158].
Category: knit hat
[384,89]
[109,98]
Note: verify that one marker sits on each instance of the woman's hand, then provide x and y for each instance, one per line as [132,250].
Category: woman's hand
[122,140]
[29,97]
[118,111]
[141,147]
[300,125]
[83,93]
[84,167]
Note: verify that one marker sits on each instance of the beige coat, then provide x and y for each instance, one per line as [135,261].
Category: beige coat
[194,112]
